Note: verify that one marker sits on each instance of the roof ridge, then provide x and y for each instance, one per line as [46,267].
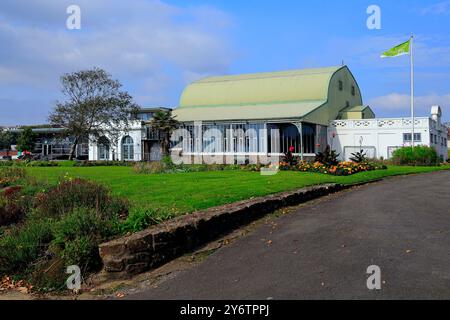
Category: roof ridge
[268,75]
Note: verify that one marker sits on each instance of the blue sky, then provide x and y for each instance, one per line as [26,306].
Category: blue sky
[155,48]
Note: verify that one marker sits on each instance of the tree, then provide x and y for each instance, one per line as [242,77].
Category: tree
[26,140]
[95,106]
[7,138]
[164,122]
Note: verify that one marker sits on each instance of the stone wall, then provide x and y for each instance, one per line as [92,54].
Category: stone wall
[150,248]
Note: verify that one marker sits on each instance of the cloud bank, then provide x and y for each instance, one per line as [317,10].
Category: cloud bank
[153,48]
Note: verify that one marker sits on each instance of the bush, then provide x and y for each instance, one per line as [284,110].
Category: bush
[139,220]
[104,163]
[23,245]
[11,208]
[150,167]
[28,163]
[359,157]
[329,157]
[11,175]
[71,194]
[78,235]
[417,156]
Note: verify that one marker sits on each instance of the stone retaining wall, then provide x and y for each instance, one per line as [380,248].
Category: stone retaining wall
[150,248]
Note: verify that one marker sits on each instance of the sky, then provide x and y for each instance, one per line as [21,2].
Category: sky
[156,48]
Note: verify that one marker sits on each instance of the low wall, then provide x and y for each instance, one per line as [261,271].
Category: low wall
[150,248]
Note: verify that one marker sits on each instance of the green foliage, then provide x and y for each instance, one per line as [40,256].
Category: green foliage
[24,244]
[64,228]
[417,156]
[28,163]
[73,193]
[359,157]
[7,139]
[166,166]
[103,163]
[164,122]
[78,234]
[329,157]
[26,140]
[140,219]
[95,105]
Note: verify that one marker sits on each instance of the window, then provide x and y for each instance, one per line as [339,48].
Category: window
[417,137]
[341,85]
[431,138]
[103,149]
[407,137]
[127,148]
[353,91]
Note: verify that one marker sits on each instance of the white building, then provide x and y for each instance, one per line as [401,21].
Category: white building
[379,138]
[266,114]
[139,143]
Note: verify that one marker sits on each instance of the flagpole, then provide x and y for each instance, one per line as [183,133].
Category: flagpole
[412,90]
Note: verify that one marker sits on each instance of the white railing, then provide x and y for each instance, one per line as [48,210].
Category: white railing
[394,123]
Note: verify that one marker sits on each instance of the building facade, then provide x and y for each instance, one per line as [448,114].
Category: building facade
[235,118]
[239,116]
[267,113]
[379,138]
[139,143]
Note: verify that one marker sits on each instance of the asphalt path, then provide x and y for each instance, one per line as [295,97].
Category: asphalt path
[323,249]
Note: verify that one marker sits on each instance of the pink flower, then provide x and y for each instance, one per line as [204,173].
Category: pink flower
[291,149]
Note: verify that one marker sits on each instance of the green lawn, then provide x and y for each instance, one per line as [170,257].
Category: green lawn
[187,192]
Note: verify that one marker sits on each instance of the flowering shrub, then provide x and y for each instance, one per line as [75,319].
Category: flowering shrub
[345,168]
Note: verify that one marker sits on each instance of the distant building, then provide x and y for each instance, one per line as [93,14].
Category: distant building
[51,143]
[140,143]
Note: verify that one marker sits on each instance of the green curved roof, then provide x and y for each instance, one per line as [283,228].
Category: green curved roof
[259,88]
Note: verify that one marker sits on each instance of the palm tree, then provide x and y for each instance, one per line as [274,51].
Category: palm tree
[164,122]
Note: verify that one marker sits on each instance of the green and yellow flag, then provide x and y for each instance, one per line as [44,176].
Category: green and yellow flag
[399,50]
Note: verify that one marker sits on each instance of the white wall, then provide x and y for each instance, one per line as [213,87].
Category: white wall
[136,133]
[380,137]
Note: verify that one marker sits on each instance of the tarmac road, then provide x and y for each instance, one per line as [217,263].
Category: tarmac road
[323,249]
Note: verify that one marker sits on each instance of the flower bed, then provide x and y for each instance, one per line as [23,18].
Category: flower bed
[345,168]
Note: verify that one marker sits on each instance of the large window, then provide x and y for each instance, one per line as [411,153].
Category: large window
[127,148]
[103,149]
[309,138]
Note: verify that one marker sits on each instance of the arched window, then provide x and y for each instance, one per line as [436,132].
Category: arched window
[127,148]
[103,148]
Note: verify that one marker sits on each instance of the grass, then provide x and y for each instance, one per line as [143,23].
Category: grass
[188,192]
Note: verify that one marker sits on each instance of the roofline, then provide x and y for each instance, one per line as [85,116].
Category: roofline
[273,74]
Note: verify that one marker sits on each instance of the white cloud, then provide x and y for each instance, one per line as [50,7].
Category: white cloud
[148,45]
[441,8]
[396,102]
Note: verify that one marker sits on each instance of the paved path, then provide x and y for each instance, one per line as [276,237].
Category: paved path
[322,250]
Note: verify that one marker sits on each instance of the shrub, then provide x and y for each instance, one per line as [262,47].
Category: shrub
[78,234]
[329,157]
[359,157]
[23,245]
[11,175]
[11,208]
[149,167]
[104,163]
[139,220]
[417,156]
[70,194]
[28,163]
